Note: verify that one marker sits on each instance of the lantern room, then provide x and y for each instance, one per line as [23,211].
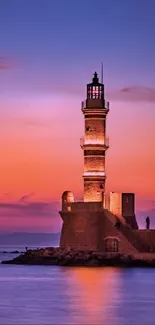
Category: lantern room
[95,90]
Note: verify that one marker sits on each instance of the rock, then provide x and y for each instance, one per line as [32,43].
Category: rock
[57,256]
[12,252]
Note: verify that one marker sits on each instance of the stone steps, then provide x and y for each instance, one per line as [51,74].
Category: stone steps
[128,233]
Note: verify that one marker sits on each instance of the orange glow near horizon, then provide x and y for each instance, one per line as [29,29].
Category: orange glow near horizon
[40,150]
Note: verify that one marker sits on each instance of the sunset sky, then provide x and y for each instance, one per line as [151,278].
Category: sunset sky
[49,51]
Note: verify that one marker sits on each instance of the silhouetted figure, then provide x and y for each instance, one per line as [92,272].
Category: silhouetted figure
[26,248]
[147,223]
[117,224]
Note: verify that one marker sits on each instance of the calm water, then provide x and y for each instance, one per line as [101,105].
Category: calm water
[63,295]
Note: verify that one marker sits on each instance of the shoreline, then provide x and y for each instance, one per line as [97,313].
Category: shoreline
[61,257]
[12,252]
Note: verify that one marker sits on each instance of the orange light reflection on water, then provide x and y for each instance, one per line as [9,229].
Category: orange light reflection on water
[97,294]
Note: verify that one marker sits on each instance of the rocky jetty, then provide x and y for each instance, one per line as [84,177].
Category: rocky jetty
[11,252]
[57,256]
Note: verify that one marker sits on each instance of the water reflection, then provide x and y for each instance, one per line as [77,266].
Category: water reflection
[65,295]
[96,295]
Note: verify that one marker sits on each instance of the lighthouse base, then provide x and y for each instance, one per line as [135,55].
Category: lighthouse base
[88,226]
[80,230]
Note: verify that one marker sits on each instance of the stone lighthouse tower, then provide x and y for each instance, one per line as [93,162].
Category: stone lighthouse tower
[94,143]
[88,224]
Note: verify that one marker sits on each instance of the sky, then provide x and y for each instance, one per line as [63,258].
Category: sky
[49,51]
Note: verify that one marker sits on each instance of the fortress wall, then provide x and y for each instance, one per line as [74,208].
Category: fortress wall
[109,230]
[147,236]
[80,230]
[87,230]
[86,206]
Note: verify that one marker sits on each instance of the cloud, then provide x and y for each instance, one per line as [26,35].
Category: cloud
[30,209]
[133,93]
[26,197]
[30,216]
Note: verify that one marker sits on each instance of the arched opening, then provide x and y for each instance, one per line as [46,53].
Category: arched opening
[111,245]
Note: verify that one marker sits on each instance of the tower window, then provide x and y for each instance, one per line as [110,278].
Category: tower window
[87,128]
[95,92]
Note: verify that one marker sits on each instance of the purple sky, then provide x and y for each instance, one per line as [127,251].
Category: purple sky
[48,52]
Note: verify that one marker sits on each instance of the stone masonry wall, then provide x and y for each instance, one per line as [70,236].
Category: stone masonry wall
[80,230]
[107,229]
[96,129]
[94,163]
[88,230]
[148,237]
[92,190]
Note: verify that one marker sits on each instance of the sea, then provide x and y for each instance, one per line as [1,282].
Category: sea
[33,295]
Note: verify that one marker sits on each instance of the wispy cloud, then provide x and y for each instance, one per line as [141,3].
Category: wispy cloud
[26,197]
[30,216]
[133,93]
[30,209]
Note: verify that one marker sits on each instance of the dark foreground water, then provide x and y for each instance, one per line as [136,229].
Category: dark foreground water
[65,295]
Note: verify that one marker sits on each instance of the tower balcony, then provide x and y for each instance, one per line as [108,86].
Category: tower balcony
[93,143]
[95,104]
[94,173]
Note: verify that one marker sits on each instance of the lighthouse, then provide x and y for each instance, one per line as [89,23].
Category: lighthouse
[89,224]
[95,142]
